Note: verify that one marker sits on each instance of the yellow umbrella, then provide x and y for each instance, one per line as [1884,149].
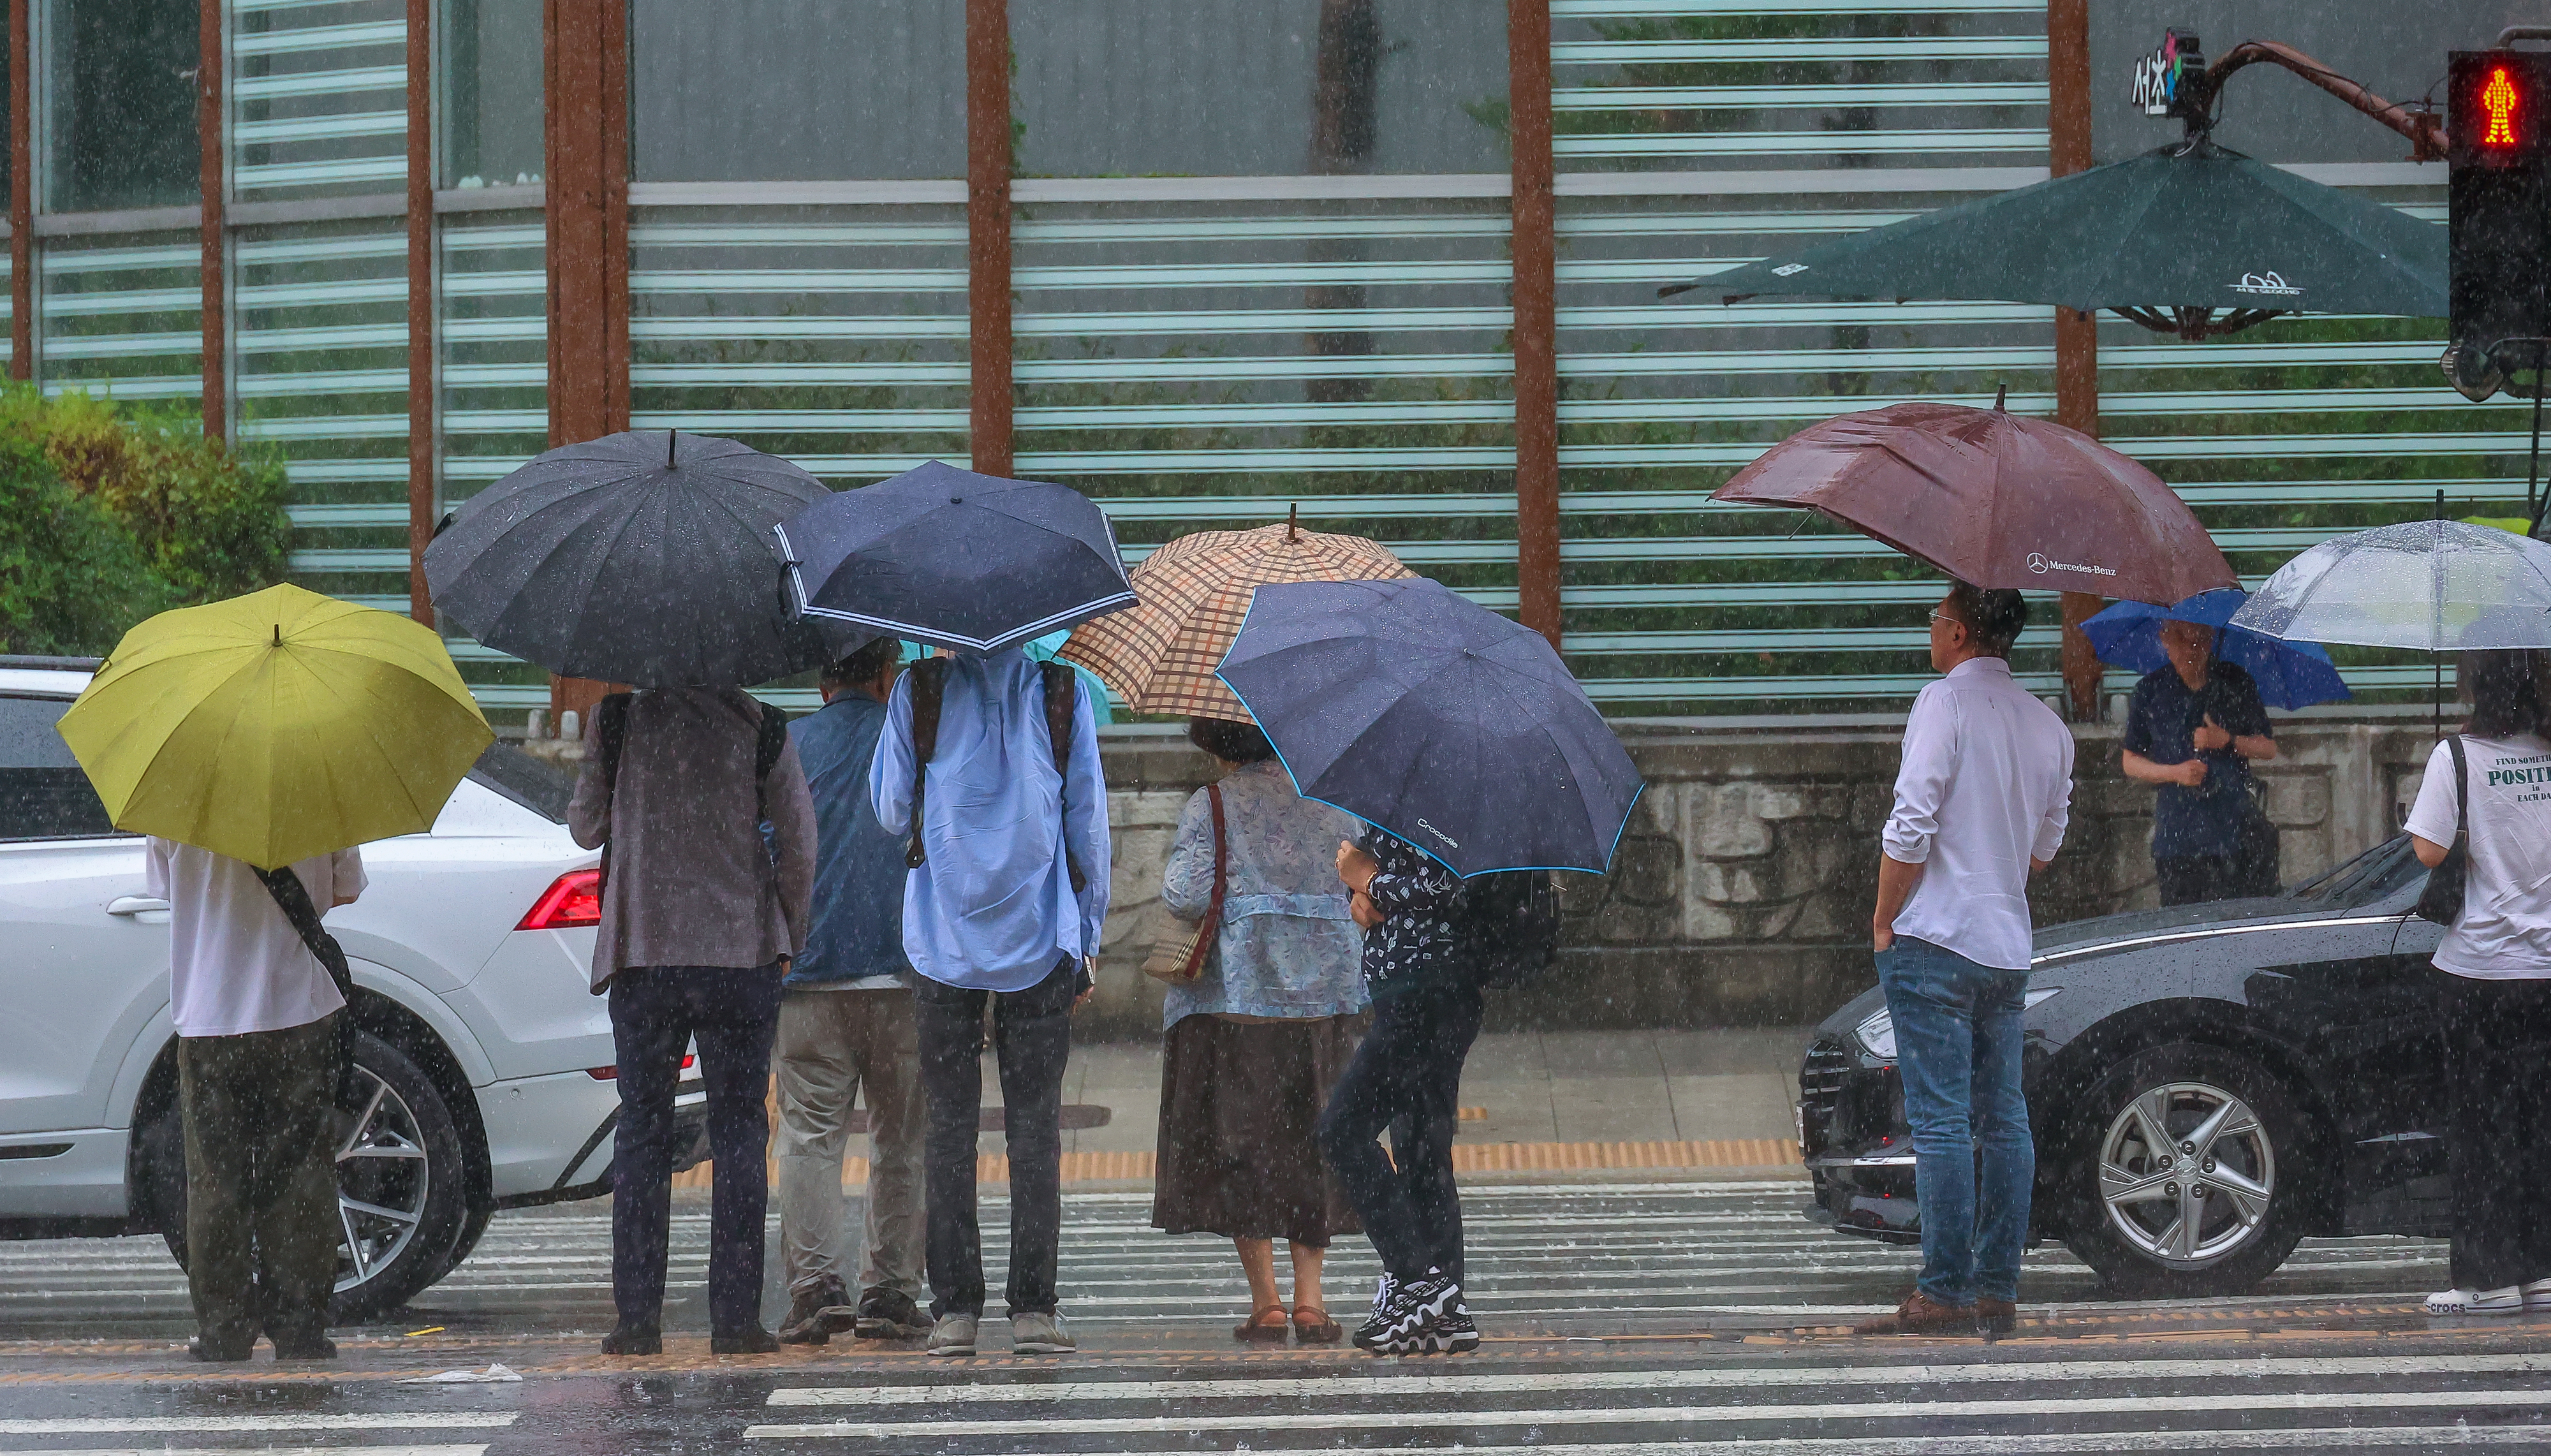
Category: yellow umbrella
[276,726]
[1160,653]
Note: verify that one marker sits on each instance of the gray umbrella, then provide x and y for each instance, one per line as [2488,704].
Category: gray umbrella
[642,558]
[2427,585]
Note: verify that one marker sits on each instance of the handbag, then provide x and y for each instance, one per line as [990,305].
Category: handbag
[2442,900]
[2258,848]
[1179,945]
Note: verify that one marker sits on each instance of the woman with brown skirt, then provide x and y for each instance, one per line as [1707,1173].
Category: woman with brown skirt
[1254,1042]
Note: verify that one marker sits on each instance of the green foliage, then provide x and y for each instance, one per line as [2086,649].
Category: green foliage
[70,576]
[111,514]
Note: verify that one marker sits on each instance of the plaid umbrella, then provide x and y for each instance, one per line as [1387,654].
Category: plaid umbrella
[1161,656]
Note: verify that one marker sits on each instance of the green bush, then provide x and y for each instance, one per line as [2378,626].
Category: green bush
[113,513]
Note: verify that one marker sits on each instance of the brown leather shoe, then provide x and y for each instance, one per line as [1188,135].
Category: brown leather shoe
[1995,1316]
[1921,1314]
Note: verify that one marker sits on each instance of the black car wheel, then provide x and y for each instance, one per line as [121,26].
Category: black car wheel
[401,1207]
[2186,1164]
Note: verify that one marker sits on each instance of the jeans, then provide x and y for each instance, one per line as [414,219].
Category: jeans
[1031,1040]
[833,1046]
[731,1012]
[1958,1041]
[1406,1076]
[262,1225]
[2498,1139]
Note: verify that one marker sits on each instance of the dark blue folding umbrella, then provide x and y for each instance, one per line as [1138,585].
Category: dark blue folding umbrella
[1414,709]
[2289,675]
[947,556]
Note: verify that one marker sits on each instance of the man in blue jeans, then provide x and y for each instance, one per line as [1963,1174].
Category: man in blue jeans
[1980,803]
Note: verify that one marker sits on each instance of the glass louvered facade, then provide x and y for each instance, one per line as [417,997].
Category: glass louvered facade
[1261,254]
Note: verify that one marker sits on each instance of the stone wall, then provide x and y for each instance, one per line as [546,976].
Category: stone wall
[1741,891]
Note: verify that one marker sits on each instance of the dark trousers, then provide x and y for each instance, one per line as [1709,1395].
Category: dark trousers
[732,1013]
[2498,1078]
[1031,1041]
[262,1220]
[1406,1076]
[2189,880]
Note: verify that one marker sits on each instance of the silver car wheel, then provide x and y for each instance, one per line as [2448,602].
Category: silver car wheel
[2188,1173]
[382,1180]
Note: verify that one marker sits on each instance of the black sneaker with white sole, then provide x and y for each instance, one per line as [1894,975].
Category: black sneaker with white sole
[1451,1333]
[1414,1307]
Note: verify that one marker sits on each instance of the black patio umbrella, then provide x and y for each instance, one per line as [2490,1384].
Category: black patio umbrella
[2192,239]
[1415,709]
[642,558]
[961,560]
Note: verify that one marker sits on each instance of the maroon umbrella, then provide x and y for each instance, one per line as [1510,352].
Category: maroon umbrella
[1993,498]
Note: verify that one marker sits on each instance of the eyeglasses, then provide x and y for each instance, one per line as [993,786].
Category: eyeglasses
[1945,617]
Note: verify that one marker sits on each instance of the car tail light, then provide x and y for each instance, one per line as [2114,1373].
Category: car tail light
[612,1073]
[572,899]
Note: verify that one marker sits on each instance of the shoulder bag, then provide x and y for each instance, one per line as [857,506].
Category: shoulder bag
[2442,900]
[1179,945]
[292,898]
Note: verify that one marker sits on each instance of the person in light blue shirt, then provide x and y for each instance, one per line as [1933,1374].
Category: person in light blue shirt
[991,915]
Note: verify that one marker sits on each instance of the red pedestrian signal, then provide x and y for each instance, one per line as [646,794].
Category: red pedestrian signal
[2498,101]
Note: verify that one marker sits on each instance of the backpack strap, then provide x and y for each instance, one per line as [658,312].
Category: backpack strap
[2462,792]
[929,685]
[1061,692]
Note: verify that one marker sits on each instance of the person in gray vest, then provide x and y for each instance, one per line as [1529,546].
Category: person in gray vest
[701,915]
[990,763]
[846,1029]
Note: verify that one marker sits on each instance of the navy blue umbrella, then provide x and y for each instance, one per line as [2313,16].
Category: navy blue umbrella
[2289,675]
[947,556]
[1416,710]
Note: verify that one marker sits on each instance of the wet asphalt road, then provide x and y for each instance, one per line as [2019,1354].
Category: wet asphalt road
[1622,1321]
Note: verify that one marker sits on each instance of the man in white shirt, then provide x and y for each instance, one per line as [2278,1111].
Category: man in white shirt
[257,1088]
[1980,803]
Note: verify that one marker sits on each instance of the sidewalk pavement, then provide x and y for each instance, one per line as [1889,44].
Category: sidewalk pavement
[1533,1104]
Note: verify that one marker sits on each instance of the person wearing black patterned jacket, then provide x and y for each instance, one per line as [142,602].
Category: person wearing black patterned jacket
[1408,1077]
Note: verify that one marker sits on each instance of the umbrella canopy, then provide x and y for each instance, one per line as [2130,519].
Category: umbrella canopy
[2427,585]
[1161,656]
[2289,675]
[276,726]
[961,560]
[2165,239]
[1995,499]
[1415,709]
[641,557]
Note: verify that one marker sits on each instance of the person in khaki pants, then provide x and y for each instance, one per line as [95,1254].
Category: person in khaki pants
[846,1024]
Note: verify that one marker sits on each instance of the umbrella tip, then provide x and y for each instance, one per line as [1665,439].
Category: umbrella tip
[669,448]
[1292,518]
[2001,393]
[278,634]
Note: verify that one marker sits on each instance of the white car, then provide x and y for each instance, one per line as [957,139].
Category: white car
[487,1061]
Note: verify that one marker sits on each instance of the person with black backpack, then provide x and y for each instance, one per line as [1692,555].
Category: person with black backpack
[989,762]
[1421,965]
[702,910]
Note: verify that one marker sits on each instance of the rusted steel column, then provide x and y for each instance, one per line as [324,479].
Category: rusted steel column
[423,358]
[1535,248]
[584,69]
[990,438]
[22,194]
[2077,333]
[213,134]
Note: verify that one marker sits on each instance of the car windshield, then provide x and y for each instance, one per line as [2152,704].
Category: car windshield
[2386,868]
[534,784]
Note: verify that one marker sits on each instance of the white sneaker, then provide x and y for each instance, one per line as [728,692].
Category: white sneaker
[2537,1297]
[2508,1300]
[1039,1335]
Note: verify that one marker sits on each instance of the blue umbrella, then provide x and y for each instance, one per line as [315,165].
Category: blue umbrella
[961,560]
[2289,675]
[1435,719]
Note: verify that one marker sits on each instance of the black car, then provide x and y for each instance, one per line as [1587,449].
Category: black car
[2207,1085]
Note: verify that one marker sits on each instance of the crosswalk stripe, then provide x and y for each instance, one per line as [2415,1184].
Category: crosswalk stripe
[2413,1437]
[1750,1377]
[477,1450]
[2040,1408]
[281,1420]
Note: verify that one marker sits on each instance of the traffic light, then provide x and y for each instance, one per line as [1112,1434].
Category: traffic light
[2498,147]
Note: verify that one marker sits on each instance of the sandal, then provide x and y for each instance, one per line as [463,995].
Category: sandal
[1313,1326]
[1256,1330]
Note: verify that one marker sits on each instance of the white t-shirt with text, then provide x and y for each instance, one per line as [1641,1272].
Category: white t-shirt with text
[2505,933]
[235,963]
